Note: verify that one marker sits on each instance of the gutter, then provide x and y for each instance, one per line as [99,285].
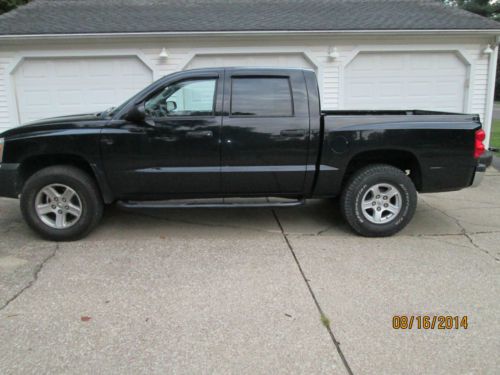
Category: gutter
[493,32]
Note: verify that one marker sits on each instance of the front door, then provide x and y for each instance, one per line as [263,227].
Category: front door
[176,152]
[265,132]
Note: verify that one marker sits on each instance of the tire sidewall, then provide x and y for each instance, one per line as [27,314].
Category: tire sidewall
[28,206]
[358,187]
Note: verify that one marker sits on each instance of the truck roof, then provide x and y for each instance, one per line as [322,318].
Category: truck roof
[248,68]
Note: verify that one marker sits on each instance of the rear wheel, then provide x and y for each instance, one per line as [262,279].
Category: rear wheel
[61,203]
[378,201]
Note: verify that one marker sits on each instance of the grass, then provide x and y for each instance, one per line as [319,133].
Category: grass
[325,321]
[495,134]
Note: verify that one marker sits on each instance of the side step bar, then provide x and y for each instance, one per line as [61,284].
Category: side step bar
[219,203]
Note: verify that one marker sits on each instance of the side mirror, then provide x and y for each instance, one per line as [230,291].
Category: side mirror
[136,114]
[171,106]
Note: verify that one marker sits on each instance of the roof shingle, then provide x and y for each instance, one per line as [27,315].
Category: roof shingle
[139,16]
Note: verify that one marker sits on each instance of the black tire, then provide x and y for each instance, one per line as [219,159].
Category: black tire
[84,186]
[359,185]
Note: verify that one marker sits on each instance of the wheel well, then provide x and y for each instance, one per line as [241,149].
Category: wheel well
[404,160]
[33,164]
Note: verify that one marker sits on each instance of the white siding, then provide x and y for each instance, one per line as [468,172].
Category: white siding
[315,49]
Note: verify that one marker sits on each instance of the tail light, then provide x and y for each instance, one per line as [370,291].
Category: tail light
[478,145]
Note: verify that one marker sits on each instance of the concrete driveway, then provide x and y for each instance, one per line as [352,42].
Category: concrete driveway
[254,291]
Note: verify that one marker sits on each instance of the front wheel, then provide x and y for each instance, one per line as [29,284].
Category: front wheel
[61,203]
[378,201]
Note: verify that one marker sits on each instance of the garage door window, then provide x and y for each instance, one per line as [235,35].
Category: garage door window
[261,97]
[185,98]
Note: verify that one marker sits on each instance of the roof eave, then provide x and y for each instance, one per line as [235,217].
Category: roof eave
[492,32]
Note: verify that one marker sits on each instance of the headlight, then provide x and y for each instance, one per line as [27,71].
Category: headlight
[1,149]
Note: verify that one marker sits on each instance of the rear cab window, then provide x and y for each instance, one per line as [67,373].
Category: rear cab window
[261,97]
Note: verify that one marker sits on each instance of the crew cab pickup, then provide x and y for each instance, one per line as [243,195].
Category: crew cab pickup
[235,132]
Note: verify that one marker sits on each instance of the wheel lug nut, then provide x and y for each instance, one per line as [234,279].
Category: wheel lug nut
[386,205]
[378,208]
[64,199]
[374,203]
[66,207]
[53,206]
[385,196]
[59,212]
[378,197]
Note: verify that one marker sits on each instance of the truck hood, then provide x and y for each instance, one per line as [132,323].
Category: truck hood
[82,121]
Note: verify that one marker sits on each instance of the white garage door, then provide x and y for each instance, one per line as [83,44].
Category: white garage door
[285,60]
[53,87]
[434,81]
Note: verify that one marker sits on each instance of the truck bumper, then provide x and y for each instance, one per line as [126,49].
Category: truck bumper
[483,163]
[479,175]
[9,176]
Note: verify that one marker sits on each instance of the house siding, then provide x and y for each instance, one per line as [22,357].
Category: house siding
[181,50]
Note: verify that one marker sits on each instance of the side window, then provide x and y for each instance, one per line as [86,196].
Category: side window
[261,96]
[194,97]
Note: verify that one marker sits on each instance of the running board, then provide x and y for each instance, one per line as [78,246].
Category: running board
[210,203]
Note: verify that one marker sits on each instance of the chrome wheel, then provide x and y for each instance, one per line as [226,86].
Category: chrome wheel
[58,206]
[381,203]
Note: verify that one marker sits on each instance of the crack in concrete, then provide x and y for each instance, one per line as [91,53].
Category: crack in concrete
[468,235]
[36,272]
[455,199]
[471,240]
[313,295]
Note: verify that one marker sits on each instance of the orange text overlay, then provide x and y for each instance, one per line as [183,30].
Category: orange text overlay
[429,322]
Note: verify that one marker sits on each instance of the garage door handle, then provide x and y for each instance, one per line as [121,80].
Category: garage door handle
[293,133]
[200,134]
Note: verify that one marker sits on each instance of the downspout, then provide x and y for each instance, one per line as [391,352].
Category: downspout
[490,96]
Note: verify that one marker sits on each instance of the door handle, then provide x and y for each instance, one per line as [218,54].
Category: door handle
[293,133]
[200,134]
[107,141]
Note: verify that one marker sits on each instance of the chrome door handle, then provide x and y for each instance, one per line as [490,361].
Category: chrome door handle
[200,134]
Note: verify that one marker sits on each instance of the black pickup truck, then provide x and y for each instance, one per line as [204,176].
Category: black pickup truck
[235,132]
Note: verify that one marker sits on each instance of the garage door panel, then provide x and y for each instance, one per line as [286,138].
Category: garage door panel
[423,80]
[37,69]
[285,60]
[69,97]
[68,70]
[62,86]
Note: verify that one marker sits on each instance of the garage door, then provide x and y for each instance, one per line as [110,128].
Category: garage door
[53,87]
[435,81]
[285,60]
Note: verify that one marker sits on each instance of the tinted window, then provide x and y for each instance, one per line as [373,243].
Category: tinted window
[185,98]
[261,97]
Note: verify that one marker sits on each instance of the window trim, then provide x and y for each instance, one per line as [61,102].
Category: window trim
[287,78]
[215,78]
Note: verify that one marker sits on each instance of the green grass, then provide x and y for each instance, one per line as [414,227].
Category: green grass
[495,134]
[325,321]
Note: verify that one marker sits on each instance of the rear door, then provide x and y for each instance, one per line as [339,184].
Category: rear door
[265,132]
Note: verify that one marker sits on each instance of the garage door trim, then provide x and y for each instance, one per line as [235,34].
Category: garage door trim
[306,55]
[261,51]
[20,58]
[414,49]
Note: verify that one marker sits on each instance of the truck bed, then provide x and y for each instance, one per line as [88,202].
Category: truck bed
[436,143]
[399,112]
